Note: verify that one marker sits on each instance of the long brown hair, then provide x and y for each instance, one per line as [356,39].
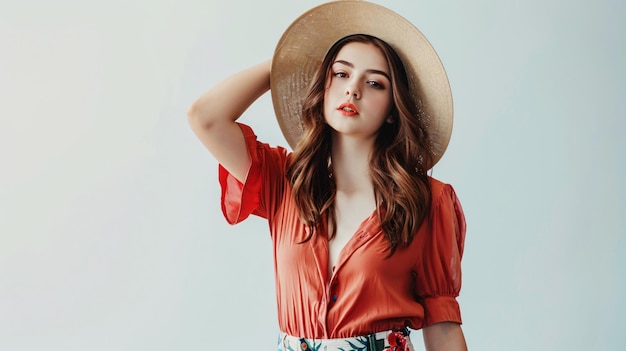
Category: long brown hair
[397,169]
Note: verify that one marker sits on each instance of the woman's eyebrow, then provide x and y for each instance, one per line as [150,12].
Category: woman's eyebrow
[351,65]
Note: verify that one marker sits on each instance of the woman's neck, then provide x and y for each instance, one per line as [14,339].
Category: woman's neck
[350,164]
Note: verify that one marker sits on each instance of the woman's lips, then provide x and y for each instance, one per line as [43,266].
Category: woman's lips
[348,109]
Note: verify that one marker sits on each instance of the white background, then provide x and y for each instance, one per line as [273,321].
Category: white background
[111,237]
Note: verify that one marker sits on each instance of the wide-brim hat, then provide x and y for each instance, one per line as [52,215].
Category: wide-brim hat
[304,44]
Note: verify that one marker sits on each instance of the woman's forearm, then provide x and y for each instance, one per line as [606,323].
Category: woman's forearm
[446,336]
[227,100]
[212,116]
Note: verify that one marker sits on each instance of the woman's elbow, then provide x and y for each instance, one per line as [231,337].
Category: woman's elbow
[193,111]
[197,117]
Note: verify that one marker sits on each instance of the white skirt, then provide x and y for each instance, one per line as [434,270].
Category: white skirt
[390,340]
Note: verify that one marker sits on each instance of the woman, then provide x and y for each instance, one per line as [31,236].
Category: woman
[366,245]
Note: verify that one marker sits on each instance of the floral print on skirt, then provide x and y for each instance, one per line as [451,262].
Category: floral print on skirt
[391,340]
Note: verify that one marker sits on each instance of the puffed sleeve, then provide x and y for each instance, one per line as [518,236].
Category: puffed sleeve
[438,272]
[240,200]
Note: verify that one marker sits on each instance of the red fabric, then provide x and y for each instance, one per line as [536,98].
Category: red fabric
[366,293]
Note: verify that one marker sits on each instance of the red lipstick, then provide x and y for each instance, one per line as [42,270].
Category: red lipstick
[348,109]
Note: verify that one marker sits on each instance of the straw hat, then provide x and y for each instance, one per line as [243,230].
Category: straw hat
[304,44]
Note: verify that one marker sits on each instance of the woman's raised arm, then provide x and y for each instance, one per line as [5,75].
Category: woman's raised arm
[212,116]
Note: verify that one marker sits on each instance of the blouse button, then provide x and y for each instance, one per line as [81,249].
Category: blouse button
[334,298]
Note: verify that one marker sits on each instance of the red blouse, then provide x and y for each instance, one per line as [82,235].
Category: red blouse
[367,292]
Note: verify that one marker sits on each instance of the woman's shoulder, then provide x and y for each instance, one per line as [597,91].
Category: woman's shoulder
[253,142]
[443,193]
[438,188]
[444,202]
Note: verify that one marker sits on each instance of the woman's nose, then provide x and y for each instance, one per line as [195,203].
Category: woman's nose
[353,90]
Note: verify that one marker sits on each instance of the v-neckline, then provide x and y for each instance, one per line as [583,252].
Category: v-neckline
[355,240]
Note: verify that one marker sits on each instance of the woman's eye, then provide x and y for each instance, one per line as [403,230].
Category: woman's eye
[340,74]
[375,84]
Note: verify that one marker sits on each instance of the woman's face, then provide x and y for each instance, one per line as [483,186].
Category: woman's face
[358,95]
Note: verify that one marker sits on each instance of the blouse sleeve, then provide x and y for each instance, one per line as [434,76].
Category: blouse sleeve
[240,200]
[438,272]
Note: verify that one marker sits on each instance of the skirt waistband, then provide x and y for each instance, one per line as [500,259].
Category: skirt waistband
[390,340]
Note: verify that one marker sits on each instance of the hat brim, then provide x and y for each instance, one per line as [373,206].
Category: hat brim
[304,44]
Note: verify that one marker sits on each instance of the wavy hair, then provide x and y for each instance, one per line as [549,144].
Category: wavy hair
[399,177]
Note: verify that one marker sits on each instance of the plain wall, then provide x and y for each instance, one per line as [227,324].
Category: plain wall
[111,235]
